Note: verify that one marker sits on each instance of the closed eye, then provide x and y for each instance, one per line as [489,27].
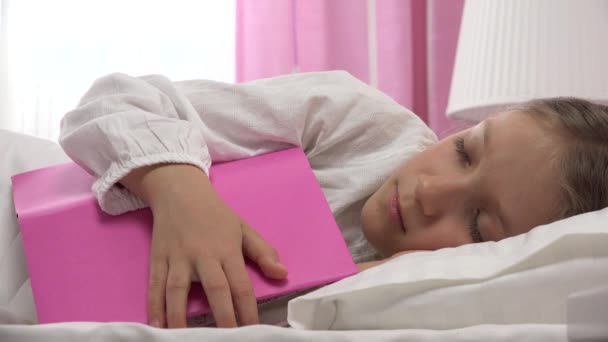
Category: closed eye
[466,160]
[462,152]
[474,228]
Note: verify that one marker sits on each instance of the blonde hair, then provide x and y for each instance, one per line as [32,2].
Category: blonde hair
[583,163]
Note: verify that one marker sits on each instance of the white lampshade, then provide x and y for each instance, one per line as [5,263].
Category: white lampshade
[510,51]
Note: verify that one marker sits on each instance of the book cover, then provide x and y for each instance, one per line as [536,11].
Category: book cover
[86,265]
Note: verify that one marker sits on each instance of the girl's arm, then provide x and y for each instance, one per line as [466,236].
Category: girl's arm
[123,123]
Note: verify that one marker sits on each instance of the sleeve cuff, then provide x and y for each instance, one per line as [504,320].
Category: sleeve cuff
[115,200]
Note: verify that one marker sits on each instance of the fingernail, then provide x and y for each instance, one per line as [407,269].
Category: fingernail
[155,323]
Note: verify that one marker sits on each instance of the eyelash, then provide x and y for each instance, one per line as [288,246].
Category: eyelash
[464,156]
[462,153]
[474,228]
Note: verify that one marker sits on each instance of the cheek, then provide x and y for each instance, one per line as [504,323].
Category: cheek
[440,234]
[433,160]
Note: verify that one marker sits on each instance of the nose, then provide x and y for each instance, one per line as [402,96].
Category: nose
[438,194]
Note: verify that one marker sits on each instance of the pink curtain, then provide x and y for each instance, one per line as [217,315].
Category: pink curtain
[387,43]
[443,38]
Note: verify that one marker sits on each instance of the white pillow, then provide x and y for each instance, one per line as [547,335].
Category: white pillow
[524,279]
[18,153]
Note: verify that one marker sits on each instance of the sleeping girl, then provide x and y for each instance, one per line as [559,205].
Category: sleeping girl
[390,184]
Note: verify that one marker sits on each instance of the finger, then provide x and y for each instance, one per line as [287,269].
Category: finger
[156,291]
[178,285]
[217,291]
[262,253]
[242,291]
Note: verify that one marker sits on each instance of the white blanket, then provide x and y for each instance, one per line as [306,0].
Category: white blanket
[68,332]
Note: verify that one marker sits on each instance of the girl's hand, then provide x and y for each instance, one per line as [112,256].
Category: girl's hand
[196,236]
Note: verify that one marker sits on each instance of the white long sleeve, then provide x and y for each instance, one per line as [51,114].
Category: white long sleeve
[353,135]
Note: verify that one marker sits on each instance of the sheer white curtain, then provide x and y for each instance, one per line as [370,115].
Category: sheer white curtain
[51,51]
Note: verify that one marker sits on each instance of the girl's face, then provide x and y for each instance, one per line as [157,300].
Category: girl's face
[485,183]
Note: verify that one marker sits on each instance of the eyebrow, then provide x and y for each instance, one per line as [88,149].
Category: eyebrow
[484,143]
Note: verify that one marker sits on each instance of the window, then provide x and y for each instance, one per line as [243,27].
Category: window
[54,50]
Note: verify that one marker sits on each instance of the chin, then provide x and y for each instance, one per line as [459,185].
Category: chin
[365,217]
[372,231]
[367,221]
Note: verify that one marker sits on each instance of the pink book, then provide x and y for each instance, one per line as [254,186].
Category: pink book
[86,265]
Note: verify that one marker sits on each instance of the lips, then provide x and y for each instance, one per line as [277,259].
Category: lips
[395,209]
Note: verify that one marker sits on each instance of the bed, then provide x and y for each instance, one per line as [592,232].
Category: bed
[548,285]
